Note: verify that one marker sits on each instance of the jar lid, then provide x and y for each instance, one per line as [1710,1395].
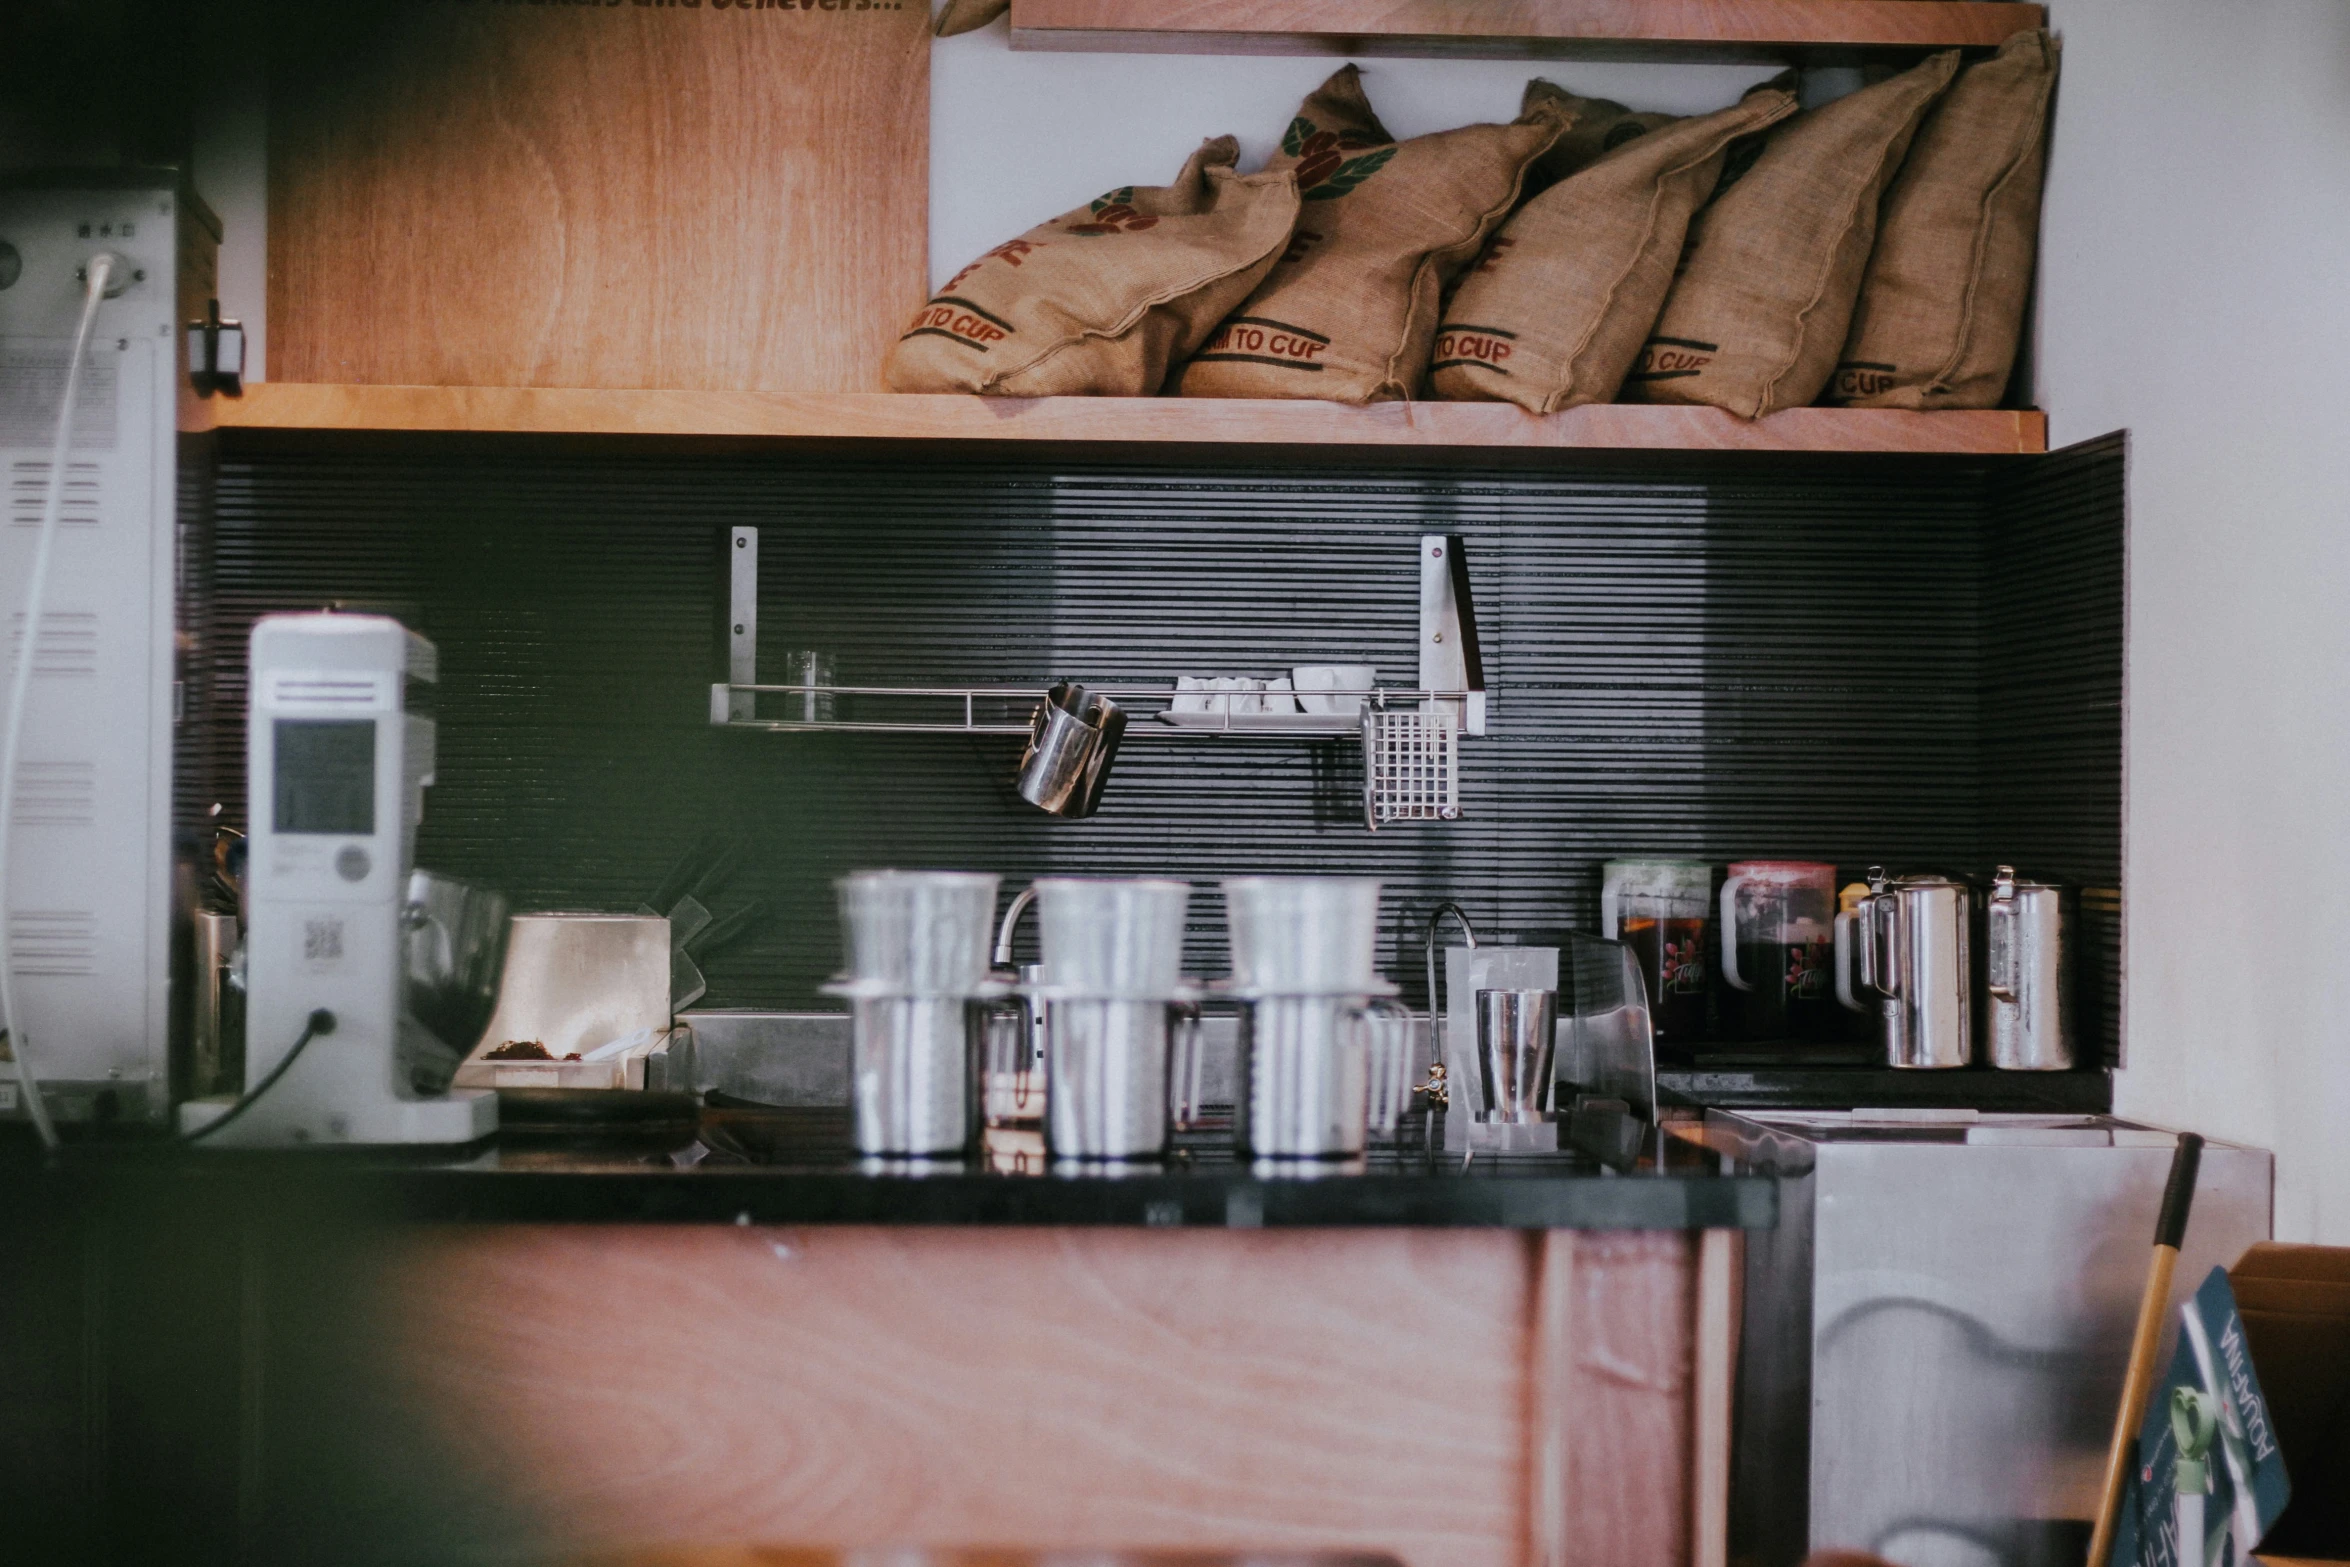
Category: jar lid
[1658,878]
[1787,872]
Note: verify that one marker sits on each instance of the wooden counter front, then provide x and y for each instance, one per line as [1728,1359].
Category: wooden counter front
[1469,1398]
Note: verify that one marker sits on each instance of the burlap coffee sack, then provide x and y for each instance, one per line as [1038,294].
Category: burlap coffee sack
[965,16]
[1596,126]
[1102,300]
[1349,312]
[1756,319]
[1556,311]
[1942,302]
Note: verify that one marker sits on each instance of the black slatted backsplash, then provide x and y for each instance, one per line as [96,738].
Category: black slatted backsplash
[1790,657]
[2051,735]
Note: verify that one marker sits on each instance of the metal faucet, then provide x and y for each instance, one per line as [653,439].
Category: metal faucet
[1437,1089]
[1003,932]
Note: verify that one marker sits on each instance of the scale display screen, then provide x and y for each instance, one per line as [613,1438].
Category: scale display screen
[325,775]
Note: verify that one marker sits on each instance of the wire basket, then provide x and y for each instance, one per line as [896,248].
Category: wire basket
[1411,765]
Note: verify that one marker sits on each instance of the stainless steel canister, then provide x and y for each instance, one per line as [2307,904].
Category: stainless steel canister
[1119,1072]
[913,1068]
[1910,940]
[1317,1073]
[2028,988]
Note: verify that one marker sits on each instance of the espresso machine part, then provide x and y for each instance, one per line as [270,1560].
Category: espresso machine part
[917,933]
[917,984]
[1497,963]
[1121,1039]
[1303,935]
[2028,989]
[1517,1043]
[1071,742]
[912,1064]
[1119,1072]
[1436,1088]
[1319,1073]
[1910,937]
[1011,1072]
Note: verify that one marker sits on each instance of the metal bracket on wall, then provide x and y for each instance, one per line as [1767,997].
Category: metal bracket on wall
[1412,730]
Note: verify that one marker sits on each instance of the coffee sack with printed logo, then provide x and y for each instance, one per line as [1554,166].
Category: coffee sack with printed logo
[1349,311]
[1100,301]
[1756,318]
[1556,310]
[1595,127]
[1942,303]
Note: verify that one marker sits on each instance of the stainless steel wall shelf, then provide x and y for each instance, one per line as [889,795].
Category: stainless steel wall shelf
[728,701]
[1411,738]
[1451,692]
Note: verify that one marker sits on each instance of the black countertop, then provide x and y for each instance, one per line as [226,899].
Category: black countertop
[770,1166]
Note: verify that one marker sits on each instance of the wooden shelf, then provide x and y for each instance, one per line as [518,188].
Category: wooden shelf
[854,418]
[1809,30]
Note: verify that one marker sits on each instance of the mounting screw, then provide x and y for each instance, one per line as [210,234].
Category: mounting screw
[738,630]
[1436,637]
[740,542]
[1436,552]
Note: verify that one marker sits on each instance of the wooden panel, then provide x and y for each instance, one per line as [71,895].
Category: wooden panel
[1720,1256]
[1128,1389]
[1141,421]
[1630,1317]
[721,197]
[1509,28]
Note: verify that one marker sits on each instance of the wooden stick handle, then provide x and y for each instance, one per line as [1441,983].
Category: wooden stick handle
[2177,1197]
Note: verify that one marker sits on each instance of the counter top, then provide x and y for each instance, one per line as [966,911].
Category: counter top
[795,1166]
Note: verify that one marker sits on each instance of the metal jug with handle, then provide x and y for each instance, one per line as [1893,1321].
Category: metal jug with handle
[1071,741]
[2028,990]
[1910,937]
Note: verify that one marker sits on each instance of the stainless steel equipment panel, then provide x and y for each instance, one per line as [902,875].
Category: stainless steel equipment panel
[1934,1335]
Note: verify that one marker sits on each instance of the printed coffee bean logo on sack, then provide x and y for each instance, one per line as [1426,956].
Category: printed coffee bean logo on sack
[1324,171]
[959,321]
[1009,251]
[1254,340]
[1114,214]
[1478,347]
[1300,243]
[1671,358]
[1860,378]
[1493,254]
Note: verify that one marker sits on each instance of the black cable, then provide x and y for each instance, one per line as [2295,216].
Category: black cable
[321,1022]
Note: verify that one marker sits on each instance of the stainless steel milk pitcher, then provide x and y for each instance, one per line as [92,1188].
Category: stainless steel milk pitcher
[1908,941]
[1071,741]
[2028,986]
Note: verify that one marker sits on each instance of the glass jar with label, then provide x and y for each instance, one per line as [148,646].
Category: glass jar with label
[1662,910]
[1777,921]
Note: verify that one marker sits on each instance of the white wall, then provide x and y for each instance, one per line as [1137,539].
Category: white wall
[2193,291]
[1016,138]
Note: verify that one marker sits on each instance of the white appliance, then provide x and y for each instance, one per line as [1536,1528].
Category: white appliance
[86,911]
[337,762]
